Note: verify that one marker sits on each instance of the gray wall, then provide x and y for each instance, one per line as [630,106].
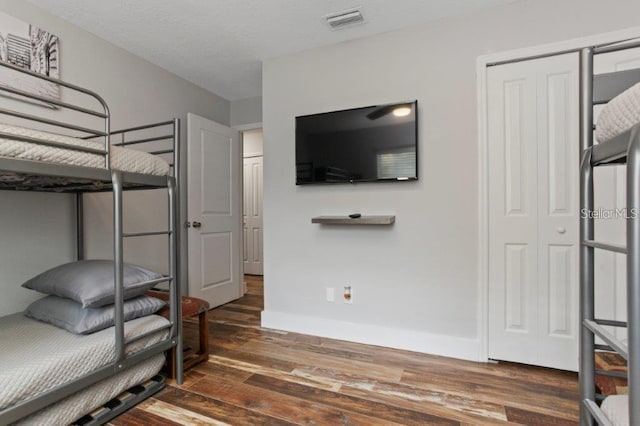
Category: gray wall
[246,111]
[37,230]
[416,283]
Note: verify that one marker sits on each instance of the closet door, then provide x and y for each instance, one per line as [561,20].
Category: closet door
[252,216]
[533,222]
[513,213]
[558,212]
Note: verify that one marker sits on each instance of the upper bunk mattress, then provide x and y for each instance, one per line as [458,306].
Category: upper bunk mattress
[123,159]
[619,115]
[36,357]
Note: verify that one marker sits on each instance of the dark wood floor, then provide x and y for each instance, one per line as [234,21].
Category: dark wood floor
[259,376]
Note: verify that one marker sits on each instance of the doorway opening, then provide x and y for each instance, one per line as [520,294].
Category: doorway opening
[252,223]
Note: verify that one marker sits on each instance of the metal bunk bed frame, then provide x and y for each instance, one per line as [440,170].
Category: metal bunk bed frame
[115,181]
[623,149]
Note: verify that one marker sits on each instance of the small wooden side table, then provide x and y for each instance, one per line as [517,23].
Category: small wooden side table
[191,306]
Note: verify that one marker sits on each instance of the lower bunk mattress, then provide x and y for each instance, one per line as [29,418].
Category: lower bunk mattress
[75,406]
[616,408]
[36,357]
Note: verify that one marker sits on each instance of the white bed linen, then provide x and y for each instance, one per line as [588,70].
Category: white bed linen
[619,115]
[616,408]
[123,159]
[95,396]
[36,356]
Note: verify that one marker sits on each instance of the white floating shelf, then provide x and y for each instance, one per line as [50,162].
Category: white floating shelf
[346,220]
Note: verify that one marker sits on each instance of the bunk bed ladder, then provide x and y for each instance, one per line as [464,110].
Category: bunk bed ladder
[118,180]
[591,327]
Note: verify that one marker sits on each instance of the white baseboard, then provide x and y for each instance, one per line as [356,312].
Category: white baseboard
[435,344]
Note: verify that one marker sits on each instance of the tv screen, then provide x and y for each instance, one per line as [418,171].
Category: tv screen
[371,144]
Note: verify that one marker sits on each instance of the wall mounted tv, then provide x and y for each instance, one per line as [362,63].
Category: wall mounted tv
[372,144]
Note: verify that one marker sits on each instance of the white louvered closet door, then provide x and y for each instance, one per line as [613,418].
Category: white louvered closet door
[533,212]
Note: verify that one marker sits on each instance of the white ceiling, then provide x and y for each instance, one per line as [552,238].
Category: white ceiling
[219,44]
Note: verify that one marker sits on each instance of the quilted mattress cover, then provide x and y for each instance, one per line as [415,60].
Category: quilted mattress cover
[74,407]
[127,160]
[619,115]
[36,356]
[616,408]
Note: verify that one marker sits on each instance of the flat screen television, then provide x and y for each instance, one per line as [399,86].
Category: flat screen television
[371,144]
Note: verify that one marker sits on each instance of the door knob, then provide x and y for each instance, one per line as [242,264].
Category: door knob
[560,230]
[196,224]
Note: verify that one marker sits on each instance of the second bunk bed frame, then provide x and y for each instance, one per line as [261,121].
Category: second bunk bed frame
[110,180]
[623,149]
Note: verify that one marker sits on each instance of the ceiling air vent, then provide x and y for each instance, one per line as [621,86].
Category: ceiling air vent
[344,18]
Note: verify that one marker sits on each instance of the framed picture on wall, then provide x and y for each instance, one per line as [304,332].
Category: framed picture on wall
[27,46]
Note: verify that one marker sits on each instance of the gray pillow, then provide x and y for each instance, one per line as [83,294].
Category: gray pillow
[90,282]
[70,315]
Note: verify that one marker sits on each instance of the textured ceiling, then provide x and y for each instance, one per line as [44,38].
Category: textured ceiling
[219,44]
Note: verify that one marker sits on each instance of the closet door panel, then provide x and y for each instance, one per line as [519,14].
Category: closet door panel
[512,213]
[558,232]
[516,284]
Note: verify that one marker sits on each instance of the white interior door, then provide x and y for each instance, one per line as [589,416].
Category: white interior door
[533,207]
[252,216]
[214,160]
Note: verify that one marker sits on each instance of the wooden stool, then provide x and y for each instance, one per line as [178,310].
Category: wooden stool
[191,307]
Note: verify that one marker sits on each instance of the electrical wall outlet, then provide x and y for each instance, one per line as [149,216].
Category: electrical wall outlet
[347,294]
[330,294]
